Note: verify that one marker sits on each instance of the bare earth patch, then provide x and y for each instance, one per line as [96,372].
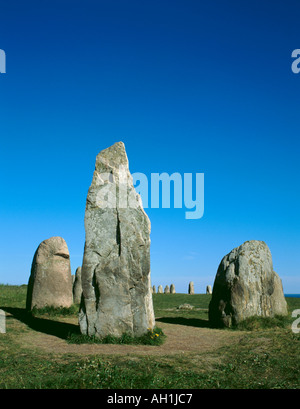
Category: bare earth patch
[180,339]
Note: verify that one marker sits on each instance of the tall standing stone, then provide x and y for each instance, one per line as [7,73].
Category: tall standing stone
[172,289]
[154,290]
[246,285]
[167,289]
[115,272]
[77,287]
[191,288]
[50,282]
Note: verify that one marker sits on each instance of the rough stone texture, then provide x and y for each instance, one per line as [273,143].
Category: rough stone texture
[167,289]
[50,281]
[77,287]
[245,286]
[208,289]
[191,288]
[160,289]
[154,289]
[186,307]
[172,289]
[116,264]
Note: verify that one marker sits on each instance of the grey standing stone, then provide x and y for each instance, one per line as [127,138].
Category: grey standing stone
[154,289]
[167,289]
[172,289]
[246,285]
[50,282]
[160,289]
[208,289]
[77,287]
[115,272]
[191,288]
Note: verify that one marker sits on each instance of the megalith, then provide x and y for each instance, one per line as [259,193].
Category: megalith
[246,285]
[50,281]
[115,272]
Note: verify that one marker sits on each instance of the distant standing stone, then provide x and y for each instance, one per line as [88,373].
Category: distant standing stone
[208,289]
[154,289]
[50,281]
[191,288]
[77,287]
[172,289]
[167,289]
[246,285]
[160,289]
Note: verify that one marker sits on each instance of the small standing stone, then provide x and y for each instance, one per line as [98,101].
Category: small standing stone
[50,281]
[167,289]
[208,289]
[154,289]
[172,289]
[191,288]
[160,289]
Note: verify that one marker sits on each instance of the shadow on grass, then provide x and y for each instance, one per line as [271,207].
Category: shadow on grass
[59,329]
[192,322]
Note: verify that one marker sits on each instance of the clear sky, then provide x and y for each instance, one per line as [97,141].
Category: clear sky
[189,86]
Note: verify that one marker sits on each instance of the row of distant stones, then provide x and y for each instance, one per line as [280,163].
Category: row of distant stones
[51,282]
[116,294]
[171,289]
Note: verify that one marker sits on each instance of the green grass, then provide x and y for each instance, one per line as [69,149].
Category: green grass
[260,323]
[51,311]
[152,337]
[13,295]
[264,355]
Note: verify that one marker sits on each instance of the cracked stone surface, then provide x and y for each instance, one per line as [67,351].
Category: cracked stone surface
[115,273]
[246,285]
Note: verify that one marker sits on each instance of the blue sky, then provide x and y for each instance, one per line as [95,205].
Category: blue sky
[189,87]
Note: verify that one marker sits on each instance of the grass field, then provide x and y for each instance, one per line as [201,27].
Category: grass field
[35,353]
